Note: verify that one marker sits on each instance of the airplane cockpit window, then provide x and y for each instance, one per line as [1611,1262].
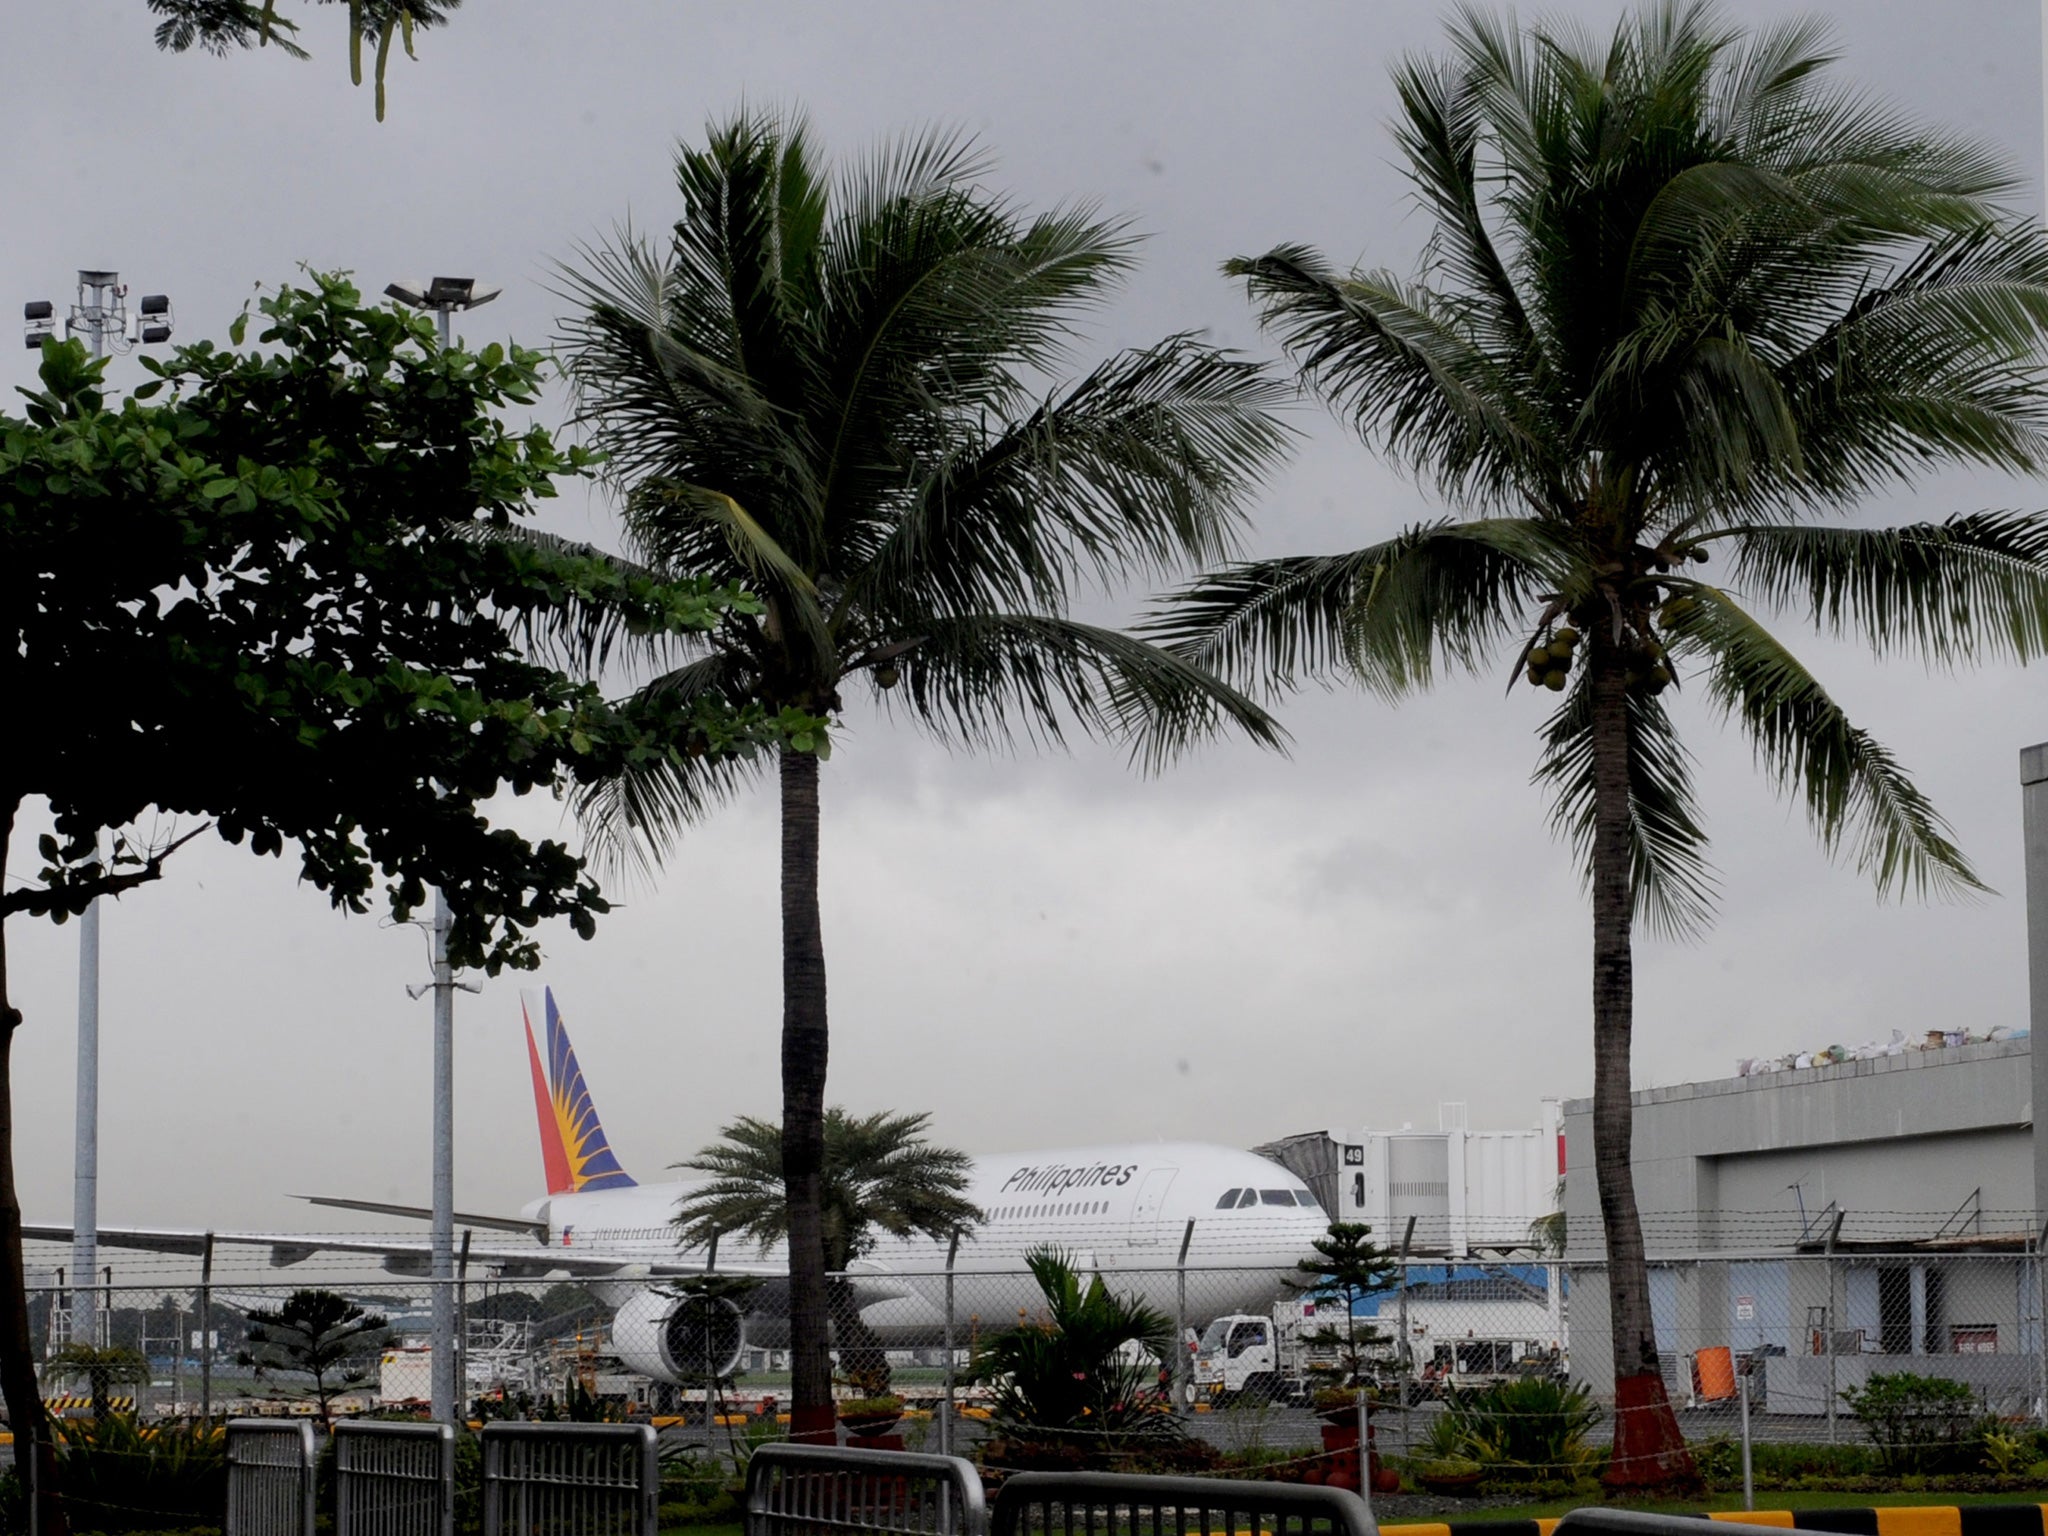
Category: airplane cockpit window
[1304,1198]
[1249,1197]
[1229,1200]
[1276,1196]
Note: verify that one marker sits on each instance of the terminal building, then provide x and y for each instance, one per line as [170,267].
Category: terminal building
[1832,1219]
[1829,1220]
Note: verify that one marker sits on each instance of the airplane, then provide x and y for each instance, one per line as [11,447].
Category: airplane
[1133,1213]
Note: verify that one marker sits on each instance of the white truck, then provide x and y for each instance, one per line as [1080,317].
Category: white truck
[1270,1357]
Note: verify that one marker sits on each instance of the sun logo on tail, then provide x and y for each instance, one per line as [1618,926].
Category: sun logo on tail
[574,1151]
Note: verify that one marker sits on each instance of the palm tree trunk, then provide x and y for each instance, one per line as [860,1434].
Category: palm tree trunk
[805,1047]
[1649,1447]
[17,1356]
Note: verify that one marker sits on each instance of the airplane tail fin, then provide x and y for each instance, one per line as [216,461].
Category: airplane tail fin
[574,1152]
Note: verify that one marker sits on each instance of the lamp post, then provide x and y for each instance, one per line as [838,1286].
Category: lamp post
[443,296]
[100,315]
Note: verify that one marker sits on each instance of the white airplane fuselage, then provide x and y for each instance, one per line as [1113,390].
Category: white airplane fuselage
[1123,1212]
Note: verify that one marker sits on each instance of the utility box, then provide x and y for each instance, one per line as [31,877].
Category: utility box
[405,1376]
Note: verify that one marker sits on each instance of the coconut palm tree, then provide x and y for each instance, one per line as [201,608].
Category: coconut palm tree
[1686,301]
[839,393]
[880,1175]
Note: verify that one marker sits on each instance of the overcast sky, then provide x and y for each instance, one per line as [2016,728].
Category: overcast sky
[1040,950]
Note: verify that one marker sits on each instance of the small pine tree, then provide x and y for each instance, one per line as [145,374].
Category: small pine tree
[320,1334]
[1347,1266]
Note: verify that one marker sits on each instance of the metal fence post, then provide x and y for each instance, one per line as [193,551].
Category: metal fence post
[1828,1333]
[1742,1397]
[206,1332]
[1404,1353]
[1179,1383]
[947,1412]
[2041,1323]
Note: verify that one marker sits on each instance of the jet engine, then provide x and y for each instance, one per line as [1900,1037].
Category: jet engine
[687,1340]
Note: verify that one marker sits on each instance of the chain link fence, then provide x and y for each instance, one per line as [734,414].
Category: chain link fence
[1800,1335]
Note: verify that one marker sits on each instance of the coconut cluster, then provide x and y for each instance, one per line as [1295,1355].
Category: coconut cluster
[1550,663]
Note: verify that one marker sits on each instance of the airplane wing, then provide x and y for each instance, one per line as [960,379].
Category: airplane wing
[538,1229]
[399,1257]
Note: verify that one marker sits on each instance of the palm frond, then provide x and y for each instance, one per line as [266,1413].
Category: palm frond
[564,629]
[1674,884]
[1397,360]
[1853,789]
[1144,464]
[1439,594]
[987,680]
[1951,590]
[631,823]
[1938,363]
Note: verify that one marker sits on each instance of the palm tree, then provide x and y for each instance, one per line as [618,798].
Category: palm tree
[834,392]
[880,1175]
[1685,300]
[104,1368]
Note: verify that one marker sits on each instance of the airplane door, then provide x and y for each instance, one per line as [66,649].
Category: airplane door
[1145,1208]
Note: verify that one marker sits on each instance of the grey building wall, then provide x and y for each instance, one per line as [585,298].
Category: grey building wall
[1899,1143]
[1736,1180]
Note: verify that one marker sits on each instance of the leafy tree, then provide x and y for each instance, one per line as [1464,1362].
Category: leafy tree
[1084,1372]
[880,1175]
[103,1369]
[1686,299]
[264,606]
[1347,1267]
[831,389]
[221,26]
[318,1334]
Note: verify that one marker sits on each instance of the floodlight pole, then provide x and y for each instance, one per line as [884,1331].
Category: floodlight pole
[100,315]
[443,298]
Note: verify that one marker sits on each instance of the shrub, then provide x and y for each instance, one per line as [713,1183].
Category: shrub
[1918,1423]
[1084,1374]
[119,1475]
[1527,1428]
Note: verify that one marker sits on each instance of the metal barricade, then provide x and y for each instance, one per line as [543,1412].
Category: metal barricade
[1089,1503]
[1628,1522]
[270,1478]
[572,1479]
[794,1489]
[394,1479]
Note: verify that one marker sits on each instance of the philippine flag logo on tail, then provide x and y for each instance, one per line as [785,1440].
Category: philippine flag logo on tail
[573,1148]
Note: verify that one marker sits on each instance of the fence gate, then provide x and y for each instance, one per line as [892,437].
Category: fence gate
[1092,1503]
[394,1479]
[270,1478]
[570,1480]
[794,1489]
